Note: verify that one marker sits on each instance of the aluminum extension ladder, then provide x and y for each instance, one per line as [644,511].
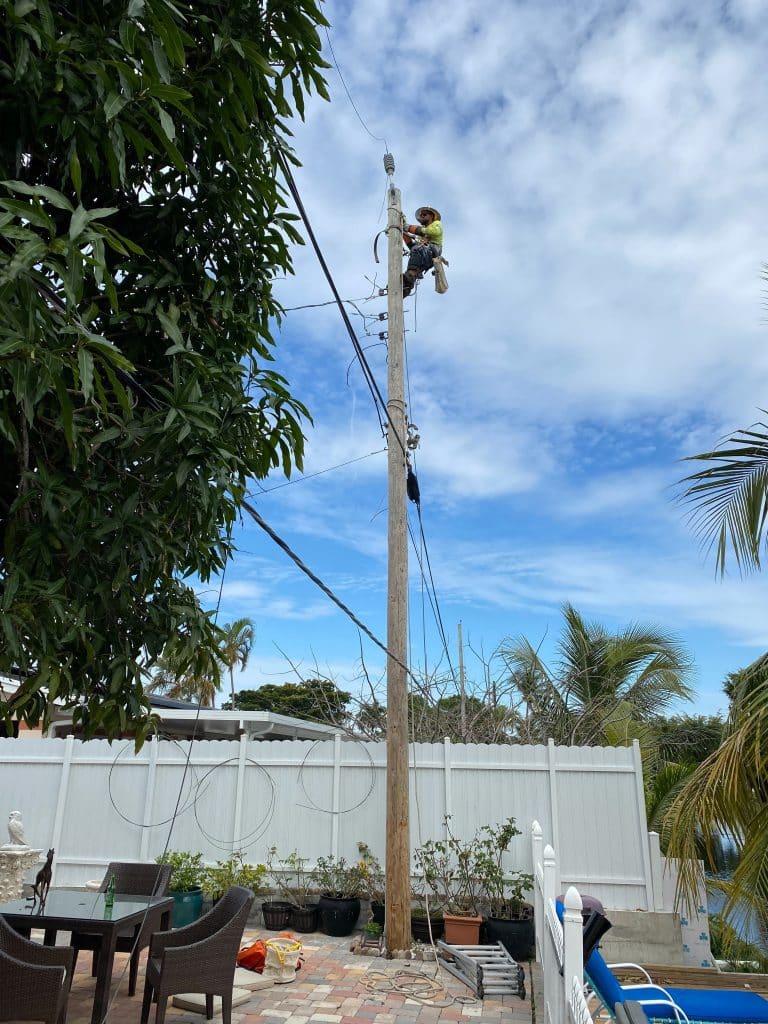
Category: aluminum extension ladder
[487,970]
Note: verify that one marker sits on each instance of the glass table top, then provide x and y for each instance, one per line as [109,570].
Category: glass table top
[81,906]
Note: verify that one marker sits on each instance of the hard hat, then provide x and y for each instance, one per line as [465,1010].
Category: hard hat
[428,209]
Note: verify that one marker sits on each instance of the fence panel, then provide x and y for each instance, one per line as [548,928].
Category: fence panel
[97,801]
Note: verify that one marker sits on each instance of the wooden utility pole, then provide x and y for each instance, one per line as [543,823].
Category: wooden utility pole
[462,692]
[398,864]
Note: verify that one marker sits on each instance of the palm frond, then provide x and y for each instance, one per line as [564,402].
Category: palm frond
[729,499]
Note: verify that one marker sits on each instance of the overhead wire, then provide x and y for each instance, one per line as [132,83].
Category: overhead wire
[373,386]
[376,138]
[310,476]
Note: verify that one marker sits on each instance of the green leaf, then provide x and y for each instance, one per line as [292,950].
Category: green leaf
[161,61]
[23,7]
[85,366]
[135,8]
[113,104]
[170,328]
[54,197]
[78,223]
[75,172]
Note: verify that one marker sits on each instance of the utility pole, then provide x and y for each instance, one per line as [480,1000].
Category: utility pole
[462,692]
[398,858]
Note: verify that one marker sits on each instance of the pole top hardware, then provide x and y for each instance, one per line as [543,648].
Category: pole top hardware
[389,164]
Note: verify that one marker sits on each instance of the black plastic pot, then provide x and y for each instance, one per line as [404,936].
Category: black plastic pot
[276,914]
[420,928]
[517,937]
[339,917]
[304,919]
[377,912]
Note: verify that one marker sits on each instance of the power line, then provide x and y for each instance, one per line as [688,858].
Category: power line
[318,582]
[376,138]
[373,387]
[320,472]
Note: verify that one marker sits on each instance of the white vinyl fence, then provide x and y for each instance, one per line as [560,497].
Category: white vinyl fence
[94,802]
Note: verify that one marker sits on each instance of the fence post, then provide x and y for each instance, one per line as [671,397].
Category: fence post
[642,824]
[550,966]
[237,825]
[573,949]
[537,852]
[336,794]
[61,800]
[149,797]
[447,794]
[553,804]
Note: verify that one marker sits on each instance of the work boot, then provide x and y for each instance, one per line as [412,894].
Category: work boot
[409,280]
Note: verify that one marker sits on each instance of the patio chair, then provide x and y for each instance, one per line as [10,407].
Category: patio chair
[199,958]
[34,979]
[678,1005]
[131,879]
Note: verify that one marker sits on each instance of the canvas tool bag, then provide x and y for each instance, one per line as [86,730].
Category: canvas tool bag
[283,958]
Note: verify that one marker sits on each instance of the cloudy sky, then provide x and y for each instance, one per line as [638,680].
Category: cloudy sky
[601,173]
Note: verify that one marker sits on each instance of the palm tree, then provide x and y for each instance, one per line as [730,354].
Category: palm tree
[607,686]
[727,796]
[200,680]
[729,499]
[234,648]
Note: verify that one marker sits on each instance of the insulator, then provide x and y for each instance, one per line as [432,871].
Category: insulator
[389,163]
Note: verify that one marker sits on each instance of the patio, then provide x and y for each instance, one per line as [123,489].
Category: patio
[334,986]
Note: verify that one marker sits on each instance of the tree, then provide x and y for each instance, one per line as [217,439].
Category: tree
[727,796]
[688,738]
[605,687]
[729,498]
[180,683]
[235,646]
[316,700]
[141,225]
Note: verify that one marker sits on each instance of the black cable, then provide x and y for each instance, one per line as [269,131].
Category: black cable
[318,582]
[373,387]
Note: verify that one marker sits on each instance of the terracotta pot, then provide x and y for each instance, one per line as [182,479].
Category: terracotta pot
[461,930]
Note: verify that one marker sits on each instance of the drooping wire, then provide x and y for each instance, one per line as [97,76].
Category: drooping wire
[375,138]
[310,476]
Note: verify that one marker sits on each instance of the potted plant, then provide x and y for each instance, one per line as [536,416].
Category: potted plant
[427,924]
[371,881]
[233,871]
[185,886]
[294,882]
[340,885]
[451,871]
[510,918]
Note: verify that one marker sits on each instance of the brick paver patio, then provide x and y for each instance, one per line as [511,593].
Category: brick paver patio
[334,986]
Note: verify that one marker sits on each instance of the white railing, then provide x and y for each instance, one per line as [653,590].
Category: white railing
[558,944]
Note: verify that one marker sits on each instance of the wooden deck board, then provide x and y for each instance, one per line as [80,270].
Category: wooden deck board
[697,977]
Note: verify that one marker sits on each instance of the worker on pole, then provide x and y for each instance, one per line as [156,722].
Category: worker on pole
[425,241]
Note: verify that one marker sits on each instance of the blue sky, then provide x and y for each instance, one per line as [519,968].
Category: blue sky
[601,172]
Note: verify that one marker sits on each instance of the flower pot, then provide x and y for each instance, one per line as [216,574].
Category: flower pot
[187,906]
[339,917]
[276,914]
[377,912]
[461,930]
[517,937]
[304,919]
[420,928]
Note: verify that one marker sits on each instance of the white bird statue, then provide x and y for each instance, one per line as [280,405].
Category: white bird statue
[16,829]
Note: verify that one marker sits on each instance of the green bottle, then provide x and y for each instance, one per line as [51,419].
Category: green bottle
[109,894]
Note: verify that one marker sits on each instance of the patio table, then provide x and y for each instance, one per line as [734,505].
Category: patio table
[86,912]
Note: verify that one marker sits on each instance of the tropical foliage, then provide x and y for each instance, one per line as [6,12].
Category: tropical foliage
[180,682]
[729,497]
[727,797]
[316,700]
[141,225]
[606,688]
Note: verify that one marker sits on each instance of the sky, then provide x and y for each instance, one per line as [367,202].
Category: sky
[600,169]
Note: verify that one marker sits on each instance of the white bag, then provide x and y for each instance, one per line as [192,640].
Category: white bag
[441,281]
[282,958]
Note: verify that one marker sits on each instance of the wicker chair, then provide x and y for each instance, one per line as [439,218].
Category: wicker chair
[200,957]
[130,880]
[34,979]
